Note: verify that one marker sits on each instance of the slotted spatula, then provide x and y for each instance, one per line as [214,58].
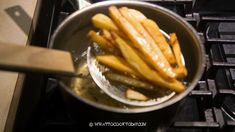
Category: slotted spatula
[114,91]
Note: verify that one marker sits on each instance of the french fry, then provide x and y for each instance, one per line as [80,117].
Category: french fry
[137,14]
[181,72]
[181,69]
[131,17]
[101,41]
[138,64]
[153,32]
[102,21]
[159,39]
[107,35]
[117,63]
[132,94]
[152,52]
[137,25]
[130,81]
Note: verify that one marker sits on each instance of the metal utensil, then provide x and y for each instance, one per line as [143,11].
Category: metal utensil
[114,91]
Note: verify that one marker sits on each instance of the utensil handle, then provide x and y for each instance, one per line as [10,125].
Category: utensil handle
[35,59]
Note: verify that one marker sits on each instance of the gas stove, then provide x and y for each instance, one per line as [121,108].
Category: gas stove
[209,107]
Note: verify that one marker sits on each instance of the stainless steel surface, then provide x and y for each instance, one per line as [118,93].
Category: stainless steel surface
[71,36]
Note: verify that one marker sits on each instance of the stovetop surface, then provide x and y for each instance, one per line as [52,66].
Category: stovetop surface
[209,107]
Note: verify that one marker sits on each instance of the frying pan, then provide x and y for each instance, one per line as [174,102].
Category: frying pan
[71,36]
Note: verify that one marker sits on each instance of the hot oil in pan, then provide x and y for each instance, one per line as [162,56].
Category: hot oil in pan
[86,87]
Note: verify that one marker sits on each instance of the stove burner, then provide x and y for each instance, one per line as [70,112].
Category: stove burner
[227,31]
[229,106]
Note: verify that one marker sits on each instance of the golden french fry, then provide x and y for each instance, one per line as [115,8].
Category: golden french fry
[137,14]
[176,48]
[135,95]
[159,39]
[152,52]
[101,41]
[102,21]
[181,69]
[153,34]
[107,35]
[137,25]
[181,72]
[136,62]
[117,63]
[131,17]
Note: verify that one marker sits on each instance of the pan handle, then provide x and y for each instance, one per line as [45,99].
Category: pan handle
[35,59]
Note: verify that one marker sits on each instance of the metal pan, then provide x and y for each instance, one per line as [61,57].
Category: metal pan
[71,36]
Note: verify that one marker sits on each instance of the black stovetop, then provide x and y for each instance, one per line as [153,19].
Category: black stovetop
[209,107]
